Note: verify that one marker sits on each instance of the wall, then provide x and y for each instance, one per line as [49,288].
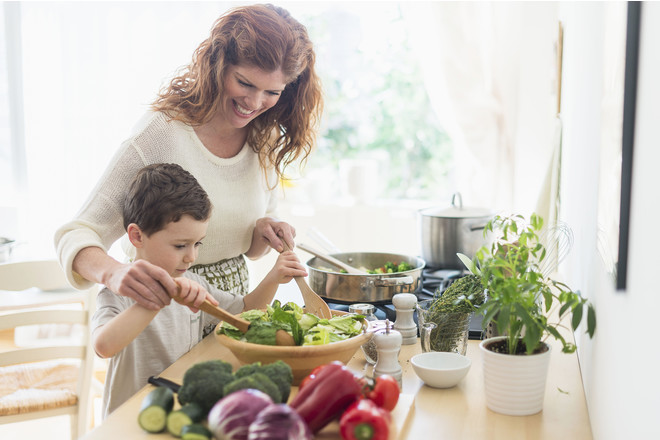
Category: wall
[619,365]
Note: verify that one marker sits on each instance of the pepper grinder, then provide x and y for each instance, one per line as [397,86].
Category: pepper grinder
[404,303]
[388,345]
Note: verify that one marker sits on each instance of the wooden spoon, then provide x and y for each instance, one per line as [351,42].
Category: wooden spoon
[332,260]
[282,337]
[313,303]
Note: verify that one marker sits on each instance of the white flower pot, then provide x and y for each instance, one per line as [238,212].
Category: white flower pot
[514,384]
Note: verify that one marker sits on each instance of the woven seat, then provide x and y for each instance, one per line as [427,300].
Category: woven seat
[53,377]
[38,386]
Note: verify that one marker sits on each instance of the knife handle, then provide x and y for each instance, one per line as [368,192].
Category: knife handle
[161,381]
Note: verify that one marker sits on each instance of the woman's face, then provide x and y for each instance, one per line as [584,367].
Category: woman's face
[248,92]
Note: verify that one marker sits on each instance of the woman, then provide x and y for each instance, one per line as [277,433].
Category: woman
[245,108]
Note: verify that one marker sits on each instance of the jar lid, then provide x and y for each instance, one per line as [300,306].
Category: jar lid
[361,309]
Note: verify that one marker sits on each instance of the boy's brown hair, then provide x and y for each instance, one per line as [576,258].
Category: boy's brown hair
[162,193]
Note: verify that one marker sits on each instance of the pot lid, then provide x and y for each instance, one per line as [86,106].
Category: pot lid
[457,210]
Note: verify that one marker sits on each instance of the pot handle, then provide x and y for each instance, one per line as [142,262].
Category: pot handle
[393,281]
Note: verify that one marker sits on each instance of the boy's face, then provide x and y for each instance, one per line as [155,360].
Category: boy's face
[175,247]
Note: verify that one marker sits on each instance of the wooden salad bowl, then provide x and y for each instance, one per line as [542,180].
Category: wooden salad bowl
[301,359]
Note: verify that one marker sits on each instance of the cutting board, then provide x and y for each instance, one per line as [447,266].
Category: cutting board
[400,417]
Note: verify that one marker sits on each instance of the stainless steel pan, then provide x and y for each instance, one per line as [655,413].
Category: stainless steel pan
[328,283]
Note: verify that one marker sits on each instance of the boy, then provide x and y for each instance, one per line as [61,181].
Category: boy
[166,214]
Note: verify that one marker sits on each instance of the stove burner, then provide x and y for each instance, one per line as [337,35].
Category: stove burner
[434,282]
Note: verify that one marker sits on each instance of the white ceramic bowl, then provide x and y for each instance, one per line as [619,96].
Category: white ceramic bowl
[439,369]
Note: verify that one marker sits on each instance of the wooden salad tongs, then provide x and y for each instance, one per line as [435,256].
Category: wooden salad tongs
[332,260]
[314,304]
[282,337]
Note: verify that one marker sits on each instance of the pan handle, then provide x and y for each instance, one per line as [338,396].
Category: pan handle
[393,281]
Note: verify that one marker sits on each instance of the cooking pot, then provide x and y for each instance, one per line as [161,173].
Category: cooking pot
[332,285]
[447,231]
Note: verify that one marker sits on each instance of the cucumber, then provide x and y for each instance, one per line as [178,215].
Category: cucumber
[195,431]
[186,415]
[155,408]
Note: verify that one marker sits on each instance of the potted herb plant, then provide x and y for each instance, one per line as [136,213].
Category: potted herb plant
[526,307]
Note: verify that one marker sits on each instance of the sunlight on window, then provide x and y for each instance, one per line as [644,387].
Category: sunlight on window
[380,137]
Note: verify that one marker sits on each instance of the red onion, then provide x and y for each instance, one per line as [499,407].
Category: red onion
[230,418]
[279,422]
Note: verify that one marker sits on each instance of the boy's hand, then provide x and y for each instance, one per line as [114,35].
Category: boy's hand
[192,294]
[288,266]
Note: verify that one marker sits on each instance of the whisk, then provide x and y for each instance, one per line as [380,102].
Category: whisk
[558,241]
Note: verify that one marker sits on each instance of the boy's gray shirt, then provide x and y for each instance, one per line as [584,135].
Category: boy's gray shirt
[171,334]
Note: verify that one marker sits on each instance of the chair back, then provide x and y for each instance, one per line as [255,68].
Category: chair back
[37,293]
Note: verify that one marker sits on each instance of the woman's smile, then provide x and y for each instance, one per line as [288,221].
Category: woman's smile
[242,111]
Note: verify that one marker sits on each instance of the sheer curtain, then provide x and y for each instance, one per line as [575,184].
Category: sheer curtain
[90,69]
[490,70]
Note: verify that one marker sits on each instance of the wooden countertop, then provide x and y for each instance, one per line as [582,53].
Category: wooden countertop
[455,413]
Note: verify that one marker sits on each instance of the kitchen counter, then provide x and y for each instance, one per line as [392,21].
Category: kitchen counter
[455,413]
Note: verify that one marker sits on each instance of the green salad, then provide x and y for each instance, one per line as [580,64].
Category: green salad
[306,329]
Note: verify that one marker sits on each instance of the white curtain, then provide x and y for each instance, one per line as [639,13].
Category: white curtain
[490,70]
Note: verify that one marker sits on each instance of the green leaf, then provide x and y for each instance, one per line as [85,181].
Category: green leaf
[469,264]
[577,316]
[591,321]
[555,333]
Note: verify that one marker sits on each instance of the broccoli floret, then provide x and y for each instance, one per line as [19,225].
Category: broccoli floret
[204,383]
[247,370]
[257,381]
[280,373]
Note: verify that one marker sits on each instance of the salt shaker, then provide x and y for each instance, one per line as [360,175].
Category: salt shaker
[388,345]
[404,303]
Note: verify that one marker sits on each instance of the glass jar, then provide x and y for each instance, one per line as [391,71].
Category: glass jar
[442,331]
[368,310]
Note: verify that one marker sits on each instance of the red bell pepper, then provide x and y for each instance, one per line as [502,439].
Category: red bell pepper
[364,420]
[326,395]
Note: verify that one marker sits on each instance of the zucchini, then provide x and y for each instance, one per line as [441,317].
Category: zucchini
[186,415]
[155,408]
[196,431]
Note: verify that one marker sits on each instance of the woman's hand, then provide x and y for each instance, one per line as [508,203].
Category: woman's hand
[149,285]
[269,233]
[192,294]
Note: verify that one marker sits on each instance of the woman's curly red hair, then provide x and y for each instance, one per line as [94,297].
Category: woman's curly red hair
[267,37]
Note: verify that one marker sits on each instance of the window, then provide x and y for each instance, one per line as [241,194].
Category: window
[380,137]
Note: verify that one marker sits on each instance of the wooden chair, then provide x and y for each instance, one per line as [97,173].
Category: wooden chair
[45,380]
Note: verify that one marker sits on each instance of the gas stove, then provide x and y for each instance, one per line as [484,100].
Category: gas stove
[433,280]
